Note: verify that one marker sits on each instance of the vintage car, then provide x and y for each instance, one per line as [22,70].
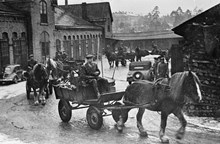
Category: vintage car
[12,73]
[141,70]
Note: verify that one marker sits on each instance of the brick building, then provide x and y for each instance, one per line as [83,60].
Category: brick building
[42,27]
[200,52]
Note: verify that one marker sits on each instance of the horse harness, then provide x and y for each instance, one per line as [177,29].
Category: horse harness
[159,86]
[33,82]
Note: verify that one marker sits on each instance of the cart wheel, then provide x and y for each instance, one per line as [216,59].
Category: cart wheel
[28,91]
[65,111]
[15,80]
[116,113]
[94,118]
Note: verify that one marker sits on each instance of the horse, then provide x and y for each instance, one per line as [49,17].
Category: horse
[141,53]
[111,56]
[56,69]
[37,79]
[167,95]
[130,56]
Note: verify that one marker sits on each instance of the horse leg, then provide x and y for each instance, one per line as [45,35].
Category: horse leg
[36,100]
[140,127]
[163,137]
[179,114]
[41,95]
[121,121]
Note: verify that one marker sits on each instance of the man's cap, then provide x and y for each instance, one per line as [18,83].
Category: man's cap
[31,55]
[161,58]
[89,56]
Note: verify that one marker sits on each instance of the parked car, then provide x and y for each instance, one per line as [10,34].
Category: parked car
[141,70]
[12,73]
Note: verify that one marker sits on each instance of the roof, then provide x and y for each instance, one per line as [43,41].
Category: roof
[95,11]
[206,18]
[65,20]
[144,36]
[4,9]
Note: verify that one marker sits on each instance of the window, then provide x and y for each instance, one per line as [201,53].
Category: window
[58,45]
[43,11]
[45,45]
[5,36]
[109,29]
[23,35]
[14,35]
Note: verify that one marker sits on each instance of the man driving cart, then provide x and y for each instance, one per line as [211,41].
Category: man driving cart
[90,73]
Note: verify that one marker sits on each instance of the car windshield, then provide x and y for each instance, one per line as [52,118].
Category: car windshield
[8,70]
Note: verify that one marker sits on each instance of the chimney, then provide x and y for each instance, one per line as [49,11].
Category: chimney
[66,2]
[84,11]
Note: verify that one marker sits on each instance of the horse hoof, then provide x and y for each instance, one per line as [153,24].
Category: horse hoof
[119,128]
[36,103]
[143,134]
[164,139]
[179,135]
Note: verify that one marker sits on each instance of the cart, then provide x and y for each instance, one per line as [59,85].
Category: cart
[84,97]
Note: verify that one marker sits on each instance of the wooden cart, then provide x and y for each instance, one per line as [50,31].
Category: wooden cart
[84,97]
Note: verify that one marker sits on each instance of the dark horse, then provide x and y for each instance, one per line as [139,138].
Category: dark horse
[165,95]
[111,56]
[140,53]
[37,79]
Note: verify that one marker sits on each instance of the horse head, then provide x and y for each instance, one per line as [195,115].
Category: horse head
[40,72]
[185,85]
[193,87]
[51,67]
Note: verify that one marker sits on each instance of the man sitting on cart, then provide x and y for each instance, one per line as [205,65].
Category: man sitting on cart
[90,73]
[31,62]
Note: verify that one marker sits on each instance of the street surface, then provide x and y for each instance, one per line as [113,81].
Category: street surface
[23,123]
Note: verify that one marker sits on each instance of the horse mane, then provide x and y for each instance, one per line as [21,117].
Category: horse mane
[177,85]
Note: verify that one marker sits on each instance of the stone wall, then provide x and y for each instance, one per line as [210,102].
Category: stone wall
[207,68]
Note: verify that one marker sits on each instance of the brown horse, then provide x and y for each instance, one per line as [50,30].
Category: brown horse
[37,79]
[165,95]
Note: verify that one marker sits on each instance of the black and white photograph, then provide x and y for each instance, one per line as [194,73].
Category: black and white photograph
[110,71]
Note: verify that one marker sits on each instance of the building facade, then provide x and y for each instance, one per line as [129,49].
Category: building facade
[164,40]
[200,52]
[13,37]
[76,36]
[41,27]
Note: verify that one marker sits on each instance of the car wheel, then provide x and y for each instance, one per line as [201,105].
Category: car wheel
[15,80]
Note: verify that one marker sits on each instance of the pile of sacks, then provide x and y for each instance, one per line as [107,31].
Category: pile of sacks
[65,84]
